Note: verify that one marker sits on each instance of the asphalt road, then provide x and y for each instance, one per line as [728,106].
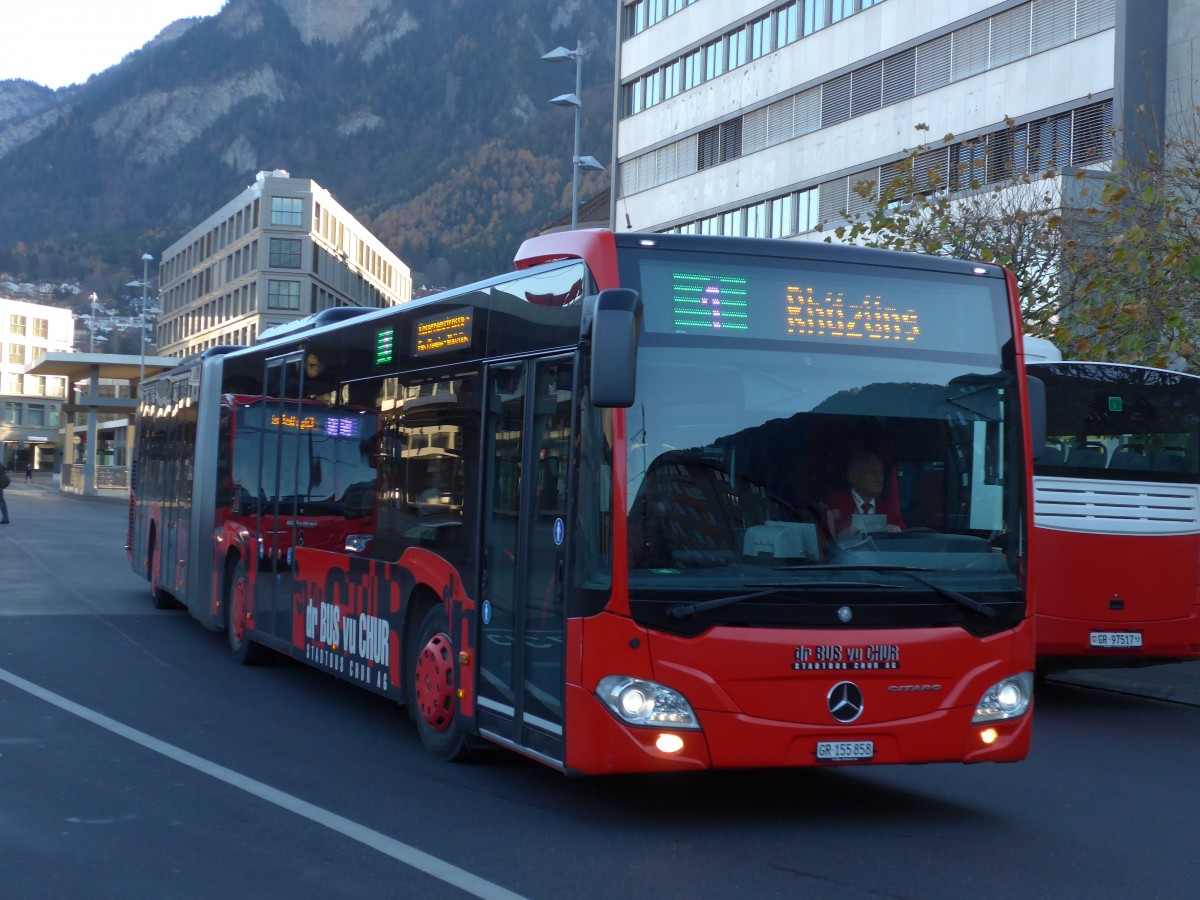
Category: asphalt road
[136,760]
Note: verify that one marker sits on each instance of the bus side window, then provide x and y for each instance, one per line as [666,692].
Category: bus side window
[1054,454]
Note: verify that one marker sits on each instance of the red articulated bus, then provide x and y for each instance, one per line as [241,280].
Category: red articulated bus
[1117,516]
[583,510]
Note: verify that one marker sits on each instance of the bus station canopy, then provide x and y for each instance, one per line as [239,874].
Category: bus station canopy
[78,366]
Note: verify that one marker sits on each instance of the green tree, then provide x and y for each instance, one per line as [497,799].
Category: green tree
[1133,282]
[1107,262]
[1016,222]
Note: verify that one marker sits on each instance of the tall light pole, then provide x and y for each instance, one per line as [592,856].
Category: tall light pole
[92,325]
[559,54]
[145,283]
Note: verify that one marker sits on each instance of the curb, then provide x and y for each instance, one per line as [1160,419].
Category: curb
[1174,683]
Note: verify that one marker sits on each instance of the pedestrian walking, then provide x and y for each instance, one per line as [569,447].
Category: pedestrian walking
[29,471]
[5,481]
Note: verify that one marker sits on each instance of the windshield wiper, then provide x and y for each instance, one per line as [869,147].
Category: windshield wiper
[911,571]
[679,610]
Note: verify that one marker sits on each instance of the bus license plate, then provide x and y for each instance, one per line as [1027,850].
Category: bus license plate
[1108,639]
[845,750]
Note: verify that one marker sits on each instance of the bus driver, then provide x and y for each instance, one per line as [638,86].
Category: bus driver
[866,476]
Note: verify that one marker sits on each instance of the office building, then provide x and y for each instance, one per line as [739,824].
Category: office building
[750,118]
[32,404]
[282,249]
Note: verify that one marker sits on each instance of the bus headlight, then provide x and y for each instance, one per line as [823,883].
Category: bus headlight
[647,703]
[1005,699]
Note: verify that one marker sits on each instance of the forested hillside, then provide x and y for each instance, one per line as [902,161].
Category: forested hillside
[429,121]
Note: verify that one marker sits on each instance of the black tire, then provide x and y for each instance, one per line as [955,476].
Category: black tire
[245,651]
[431,688]
[159,597]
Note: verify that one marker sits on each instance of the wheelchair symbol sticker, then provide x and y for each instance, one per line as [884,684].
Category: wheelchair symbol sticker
[559,531]
[487,612]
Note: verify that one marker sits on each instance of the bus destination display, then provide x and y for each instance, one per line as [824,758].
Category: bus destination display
[832,315]
[385,346]
[441,333]
[711,302]
[332,426]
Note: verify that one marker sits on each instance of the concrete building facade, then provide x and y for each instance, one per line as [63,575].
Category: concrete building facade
[32,404]
[282,249]
[752,118]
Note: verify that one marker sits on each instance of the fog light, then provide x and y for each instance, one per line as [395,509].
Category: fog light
[989,735]
[669,743]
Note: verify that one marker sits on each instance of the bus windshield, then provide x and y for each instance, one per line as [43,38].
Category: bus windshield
[1118,422]
[744,445]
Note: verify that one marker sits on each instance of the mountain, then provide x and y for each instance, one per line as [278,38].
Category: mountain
[428,121]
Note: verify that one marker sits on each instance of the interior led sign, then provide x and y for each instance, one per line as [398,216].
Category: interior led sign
[832,315]
[802,301]
[709,302]
[446,331]
[331,426]
[385,346]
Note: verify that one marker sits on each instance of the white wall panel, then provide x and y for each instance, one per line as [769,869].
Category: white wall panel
[977,103]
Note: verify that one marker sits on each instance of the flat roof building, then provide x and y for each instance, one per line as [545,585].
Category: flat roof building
[282,249]
[759,119]
[31,404]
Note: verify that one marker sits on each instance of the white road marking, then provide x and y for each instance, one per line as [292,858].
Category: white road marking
[401,852]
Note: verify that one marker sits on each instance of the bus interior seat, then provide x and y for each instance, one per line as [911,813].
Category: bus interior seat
[1129,456]
[1091,454]
[1171,459]
[1054,454]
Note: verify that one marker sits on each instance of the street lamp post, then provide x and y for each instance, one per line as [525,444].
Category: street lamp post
[146,259]
[559,54]
[92,325]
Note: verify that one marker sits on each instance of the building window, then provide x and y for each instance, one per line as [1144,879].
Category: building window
[16,354]
[16,325]
[35,414]
[285,253]
[814,16]
[41,328]
[286,210]
[35,384]
[12,413]
[283,295]
[787,22]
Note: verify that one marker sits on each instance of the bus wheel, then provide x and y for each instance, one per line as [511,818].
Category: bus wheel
[432,690]
[245,651]
[160,598]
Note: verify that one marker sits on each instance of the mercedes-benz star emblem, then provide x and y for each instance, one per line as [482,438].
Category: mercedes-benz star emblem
[845,701]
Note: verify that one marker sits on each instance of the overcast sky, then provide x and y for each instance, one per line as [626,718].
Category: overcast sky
[61,42]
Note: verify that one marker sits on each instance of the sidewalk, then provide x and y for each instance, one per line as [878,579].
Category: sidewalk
[47,483]
[1174,682]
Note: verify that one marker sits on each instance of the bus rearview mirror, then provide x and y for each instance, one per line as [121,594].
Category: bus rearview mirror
[616,324]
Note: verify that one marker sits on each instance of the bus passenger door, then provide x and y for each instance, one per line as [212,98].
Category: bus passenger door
[279,462]
[524,558]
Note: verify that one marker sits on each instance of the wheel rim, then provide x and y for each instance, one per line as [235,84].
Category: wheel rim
[237,611]
[435,683]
